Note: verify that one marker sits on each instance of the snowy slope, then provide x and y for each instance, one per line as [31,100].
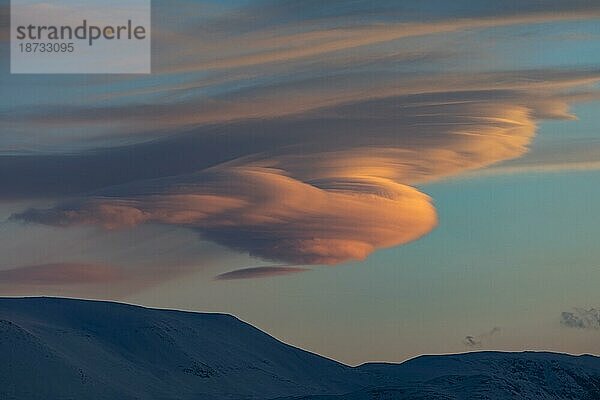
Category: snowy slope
[492,375]
[485,375]
[59,349]
[63,348]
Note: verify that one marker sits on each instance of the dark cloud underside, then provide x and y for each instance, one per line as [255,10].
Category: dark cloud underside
[260,272]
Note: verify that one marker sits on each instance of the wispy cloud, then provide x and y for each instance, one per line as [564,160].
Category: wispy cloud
[581,318]
[566,156]
[481,339]
[83,279]
[548,168]
[260,272]
[273,47]
[256,36]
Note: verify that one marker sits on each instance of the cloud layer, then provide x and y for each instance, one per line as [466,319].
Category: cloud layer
[301,139]
[321,187]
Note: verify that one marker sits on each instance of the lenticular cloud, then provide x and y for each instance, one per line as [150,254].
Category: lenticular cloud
[339,184]
[304,142]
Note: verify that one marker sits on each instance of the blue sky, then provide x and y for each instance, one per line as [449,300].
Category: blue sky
[413,174]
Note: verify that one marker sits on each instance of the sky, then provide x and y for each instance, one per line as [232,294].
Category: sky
[367,180]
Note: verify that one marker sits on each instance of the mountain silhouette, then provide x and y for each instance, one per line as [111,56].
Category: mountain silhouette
[55,349]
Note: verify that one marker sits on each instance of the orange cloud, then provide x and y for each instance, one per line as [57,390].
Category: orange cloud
[541,87]
[269,215]
[270,147]
[324,186]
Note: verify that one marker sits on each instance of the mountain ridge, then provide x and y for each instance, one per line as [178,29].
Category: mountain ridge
[53,348]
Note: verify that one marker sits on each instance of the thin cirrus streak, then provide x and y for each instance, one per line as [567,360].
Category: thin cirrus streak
[273,47]
[260,272]
[541,168]
[301,98]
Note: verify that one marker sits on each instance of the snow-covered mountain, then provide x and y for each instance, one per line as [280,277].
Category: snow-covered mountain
[55,349]
[487,375]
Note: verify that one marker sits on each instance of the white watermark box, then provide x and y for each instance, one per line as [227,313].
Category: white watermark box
[80,36]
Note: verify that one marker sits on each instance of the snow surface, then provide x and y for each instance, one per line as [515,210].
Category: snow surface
[55,349]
